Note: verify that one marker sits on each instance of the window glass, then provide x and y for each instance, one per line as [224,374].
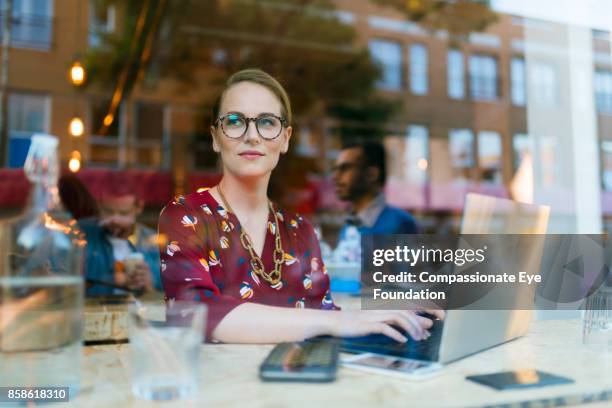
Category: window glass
[418,69]
[388,55]
[27,114]
[518,86]
[483,77]
[490,156]
[456,74]
[461,145]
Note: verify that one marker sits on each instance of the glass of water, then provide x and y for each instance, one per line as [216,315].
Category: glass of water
[597,321]
[165,344]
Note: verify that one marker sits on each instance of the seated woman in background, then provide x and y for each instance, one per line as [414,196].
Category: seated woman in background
[256,266]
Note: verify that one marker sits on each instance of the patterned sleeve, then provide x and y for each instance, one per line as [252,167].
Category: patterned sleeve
[186,262]
[317,272]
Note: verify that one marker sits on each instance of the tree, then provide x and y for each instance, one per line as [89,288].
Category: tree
[458,17]
[303,43]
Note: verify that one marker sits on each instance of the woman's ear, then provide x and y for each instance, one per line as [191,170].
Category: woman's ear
[287,137]
[215,146]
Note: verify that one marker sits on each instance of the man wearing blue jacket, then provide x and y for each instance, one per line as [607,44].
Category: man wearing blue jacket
[120,251]
[359,176]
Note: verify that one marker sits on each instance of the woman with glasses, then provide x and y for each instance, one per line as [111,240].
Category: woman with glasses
[257,267]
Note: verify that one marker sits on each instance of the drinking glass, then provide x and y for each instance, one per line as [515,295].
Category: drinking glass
[597,320]
[165,344]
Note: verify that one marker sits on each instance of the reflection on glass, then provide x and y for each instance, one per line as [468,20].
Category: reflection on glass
[603,91]
[418,69]
[461,146]
[28,114]
[548,162]
[416,154]
[606,151]
[483,77]
[456,81]
[522,144]
[544,84]
[518,90]
[388,54]
[490,155]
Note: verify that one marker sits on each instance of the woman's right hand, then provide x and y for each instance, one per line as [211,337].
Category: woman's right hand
[354,323]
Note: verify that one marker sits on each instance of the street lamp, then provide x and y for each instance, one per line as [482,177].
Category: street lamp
[74,164]
[77,73]
[76,127]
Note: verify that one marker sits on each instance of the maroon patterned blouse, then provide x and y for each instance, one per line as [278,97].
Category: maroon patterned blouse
[203,260]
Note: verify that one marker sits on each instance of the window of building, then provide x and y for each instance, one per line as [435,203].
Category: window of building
[32,24]
[606,177]
[27,114]
[603,91]
[522,146]
[483,77]
[105,144]
[150,130]
[101,21]
[456,75]
[418,69]
[388,55]
[601,34]
[416,154]
[518,85]
[461,146]
[544,85]
[490,156]
[548,160]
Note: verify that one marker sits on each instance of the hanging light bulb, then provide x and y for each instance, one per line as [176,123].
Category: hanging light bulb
[74,164]
[77,73]
[76,127]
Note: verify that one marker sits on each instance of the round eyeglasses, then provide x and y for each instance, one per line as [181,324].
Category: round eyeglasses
[235,125]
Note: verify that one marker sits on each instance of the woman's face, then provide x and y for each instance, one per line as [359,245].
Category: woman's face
[250,155]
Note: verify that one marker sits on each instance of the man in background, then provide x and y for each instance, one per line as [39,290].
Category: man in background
[359,175]
[120,251]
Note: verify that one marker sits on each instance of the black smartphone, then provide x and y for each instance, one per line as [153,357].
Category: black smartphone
[514,380]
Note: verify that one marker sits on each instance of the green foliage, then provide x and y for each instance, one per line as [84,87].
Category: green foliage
[303,43]
[458,17]
[122,49]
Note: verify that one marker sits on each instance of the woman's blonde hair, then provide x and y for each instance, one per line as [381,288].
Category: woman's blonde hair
[256,76]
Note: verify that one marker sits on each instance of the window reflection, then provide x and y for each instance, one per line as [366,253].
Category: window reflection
[418,69]
[456,75]
[483,77]
[603,91]
[461,148]
[388,55]
[518,85]
[544,84]
[490,156]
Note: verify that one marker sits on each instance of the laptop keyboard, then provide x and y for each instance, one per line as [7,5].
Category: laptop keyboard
[381,344]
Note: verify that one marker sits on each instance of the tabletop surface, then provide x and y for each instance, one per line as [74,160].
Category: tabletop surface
[229,377]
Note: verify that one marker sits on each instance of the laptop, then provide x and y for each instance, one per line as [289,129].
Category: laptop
[465,332]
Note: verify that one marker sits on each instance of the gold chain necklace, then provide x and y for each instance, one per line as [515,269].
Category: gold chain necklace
[257,264]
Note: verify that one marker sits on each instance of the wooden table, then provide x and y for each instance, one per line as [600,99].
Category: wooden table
[229,377]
